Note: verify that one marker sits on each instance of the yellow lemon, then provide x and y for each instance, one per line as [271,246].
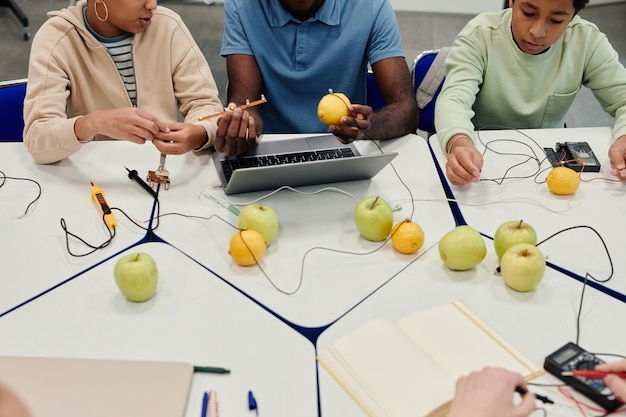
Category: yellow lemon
[563,181]
[332,107]
[407,237]
[247,247]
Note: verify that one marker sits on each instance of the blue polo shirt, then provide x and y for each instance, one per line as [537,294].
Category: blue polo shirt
[300,61]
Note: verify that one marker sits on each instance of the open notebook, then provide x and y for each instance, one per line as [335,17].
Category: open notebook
[299,161]
[409,368]
[56,387]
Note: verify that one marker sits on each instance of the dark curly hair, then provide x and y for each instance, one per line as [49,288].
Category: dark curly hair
[580,4]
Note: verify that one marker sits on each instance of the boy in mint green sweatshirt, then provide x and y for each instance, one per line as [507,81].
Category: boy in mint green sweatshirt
[521,68]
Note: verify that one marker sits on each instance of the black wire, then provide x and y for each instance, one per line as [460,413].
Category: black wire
[532,157]
[4,177]
[106,243]
[606,249]
[93,247]
[587,275]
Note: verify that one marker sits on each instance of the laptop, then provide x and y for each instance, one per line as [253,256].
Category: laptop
[296,162]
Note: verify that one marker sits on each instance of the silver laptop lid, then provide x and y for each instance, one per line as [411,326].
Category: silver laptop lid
[303,173]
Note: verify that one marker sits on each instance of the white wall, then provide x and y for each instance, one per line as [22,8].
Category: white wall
[461,6]
[447,6]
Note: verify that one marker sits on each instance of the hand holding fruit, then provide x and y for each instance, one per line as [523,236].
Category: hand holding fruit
[347,121]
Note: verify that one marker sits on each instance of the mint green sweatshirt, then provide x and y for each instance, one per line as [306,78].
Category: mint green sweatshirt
[490,82]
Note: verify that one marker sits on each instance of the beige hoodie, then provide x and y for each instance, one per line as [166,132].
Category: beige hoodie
[72,74]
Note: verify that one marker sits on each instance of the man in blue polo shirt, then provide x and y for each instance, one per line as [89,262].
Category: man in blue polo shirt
[294,51]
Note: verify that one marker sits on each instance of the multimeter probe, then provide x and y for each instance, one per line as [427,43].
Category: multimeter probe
[97,195]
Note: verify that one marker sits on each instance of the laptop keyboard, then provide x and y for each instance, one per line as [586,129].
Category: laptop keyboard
[232,164]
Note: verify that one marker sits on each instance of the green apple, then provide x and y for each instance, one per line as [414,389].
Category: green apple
[462,248]
[137,276]
[262,218]
[513,232]
[522,267]
[373,217]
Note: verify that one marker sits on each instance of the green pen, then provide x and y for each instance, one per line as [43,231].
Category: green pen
[211,370]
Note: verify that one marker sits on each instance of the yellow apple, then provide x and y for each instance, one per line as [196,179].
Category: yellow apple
[136,276]
[513,232]
[259,217]
[462,248]
[373,217]
[522,267]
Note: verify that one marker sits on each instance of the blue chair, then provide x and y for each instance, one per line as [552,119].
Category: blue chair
[374,99]
[12,110]
[421,65]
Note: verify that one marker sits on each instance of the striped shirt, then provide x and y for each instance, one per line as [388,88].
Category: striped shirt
[119,47]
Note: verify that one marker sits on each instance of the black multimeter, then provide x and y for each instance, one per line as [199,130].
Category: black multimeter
[575,155]
[572,357]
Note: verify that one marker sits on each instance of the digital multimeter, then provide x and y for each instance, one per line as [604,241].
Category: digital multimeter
[572,357]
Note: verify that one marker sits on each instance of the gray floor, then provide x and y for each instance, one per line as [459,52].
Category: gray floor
[420,31]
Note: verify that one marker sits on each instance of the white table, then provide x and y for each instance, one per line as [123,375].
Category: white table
[537,322]
[600,203]
[33,254]
[209,311]
[236,320]
[195,317]
[332,283]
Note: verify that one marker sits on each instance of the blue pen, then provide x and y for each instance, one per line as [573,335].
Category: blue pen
[205,402]
[252,403]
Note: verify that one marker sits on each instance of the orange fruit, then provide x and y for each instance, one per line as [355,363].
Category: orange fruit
[332,107]
[563,181]
[247,247]
[407,237]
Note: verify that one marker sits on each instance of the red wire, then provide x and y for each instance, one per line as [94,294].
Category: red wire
[582,168]
[579,404]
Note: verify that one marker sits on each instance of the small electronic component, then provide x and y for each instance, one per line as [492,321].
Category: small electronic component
[575,155]
[97,195]
[160,176]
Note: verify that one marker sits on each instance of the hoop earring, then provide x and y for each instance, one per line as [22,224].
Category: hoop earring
[106,11]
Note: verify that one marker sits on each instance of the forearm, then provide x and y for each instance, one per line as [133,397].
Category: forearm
[51,140]
[393,120]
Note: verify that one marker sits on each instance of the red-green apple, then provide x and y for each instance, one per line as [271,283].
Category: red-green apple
[462,248]
[373,217]
[522,267]
[513,232]
[262,218]
[137,276]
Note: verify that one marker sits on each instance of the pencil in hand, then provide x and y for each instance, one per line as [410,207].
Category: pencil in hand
[243,106]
